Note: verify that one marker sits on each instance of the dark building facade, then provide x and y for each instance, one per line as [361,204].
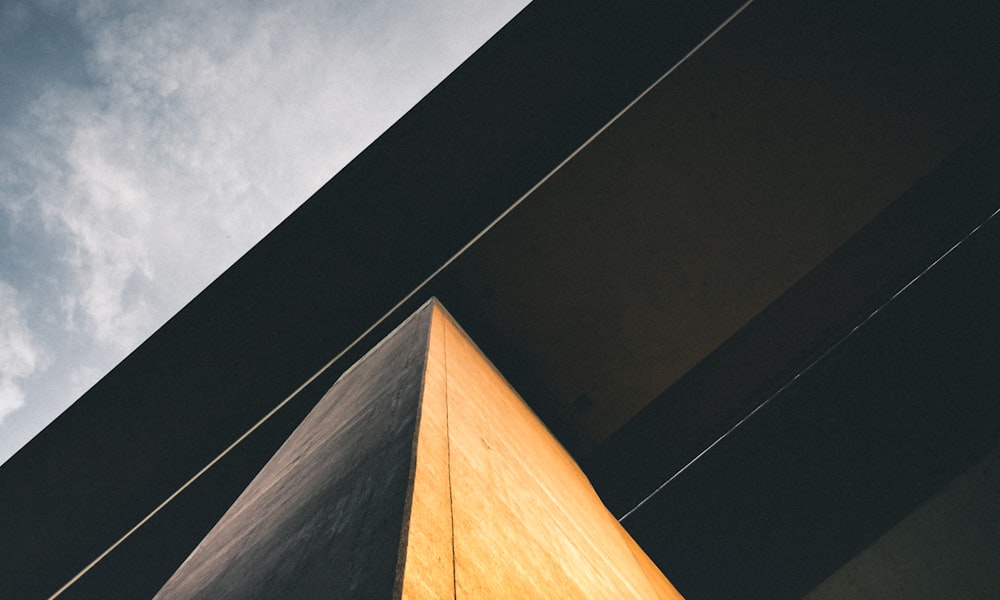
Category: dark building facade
[746,250]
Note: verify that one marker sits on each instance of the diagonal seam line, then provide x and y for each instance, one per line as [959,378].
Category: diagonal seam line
[808,367]
[447,434]
[406,298]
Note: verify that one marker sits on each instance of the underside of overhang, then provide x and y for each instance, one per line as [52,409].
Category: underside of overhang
[656,284]
[710,198]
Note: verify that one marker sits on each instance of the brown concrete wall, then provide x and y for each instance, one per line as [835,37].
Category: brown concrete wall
[426,561]
[421,475]
[323,518]
[525,522]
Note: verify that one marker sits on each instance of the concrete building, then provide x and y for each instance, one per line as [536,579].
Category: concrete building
[748,261]
[420,474]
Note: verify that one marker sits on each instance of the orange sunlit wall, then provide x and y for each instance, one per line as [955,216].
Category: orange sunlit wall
[498,509]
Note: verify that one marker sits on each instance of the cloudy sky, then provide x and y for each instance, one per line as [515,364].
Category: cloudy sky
[145,146]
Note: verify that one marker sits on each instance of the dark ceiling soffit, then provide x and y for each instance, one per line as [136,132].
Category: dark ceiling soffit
[859,441]
[493,128]
[802,324]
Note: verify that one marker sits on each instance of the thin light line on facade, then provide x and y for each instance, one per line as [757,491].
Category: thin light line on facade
[808,367]
[405,299]
[447,433]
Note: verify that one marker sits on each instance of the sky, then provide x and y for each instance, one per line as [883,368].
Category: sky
[145,146]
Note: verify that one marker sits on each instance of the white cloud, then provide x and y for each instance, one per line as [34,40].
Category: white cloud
[20,357]
[207,128]
[201,126]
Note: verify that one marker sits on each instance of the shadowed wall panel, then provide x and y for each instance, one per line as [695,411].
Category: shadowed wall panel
[323,517]
[946,548]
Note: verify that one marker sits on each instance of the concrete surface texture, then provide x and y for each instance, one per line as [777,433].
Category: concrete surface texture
[323,518]
[524,520]
[421,474]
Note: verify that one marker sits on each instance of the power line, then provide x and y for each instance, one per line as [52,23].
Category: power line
[807,368]
[399,304]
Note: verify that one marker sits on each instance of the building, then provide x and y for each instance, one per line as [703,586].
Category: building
[420,474]
[698,225]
